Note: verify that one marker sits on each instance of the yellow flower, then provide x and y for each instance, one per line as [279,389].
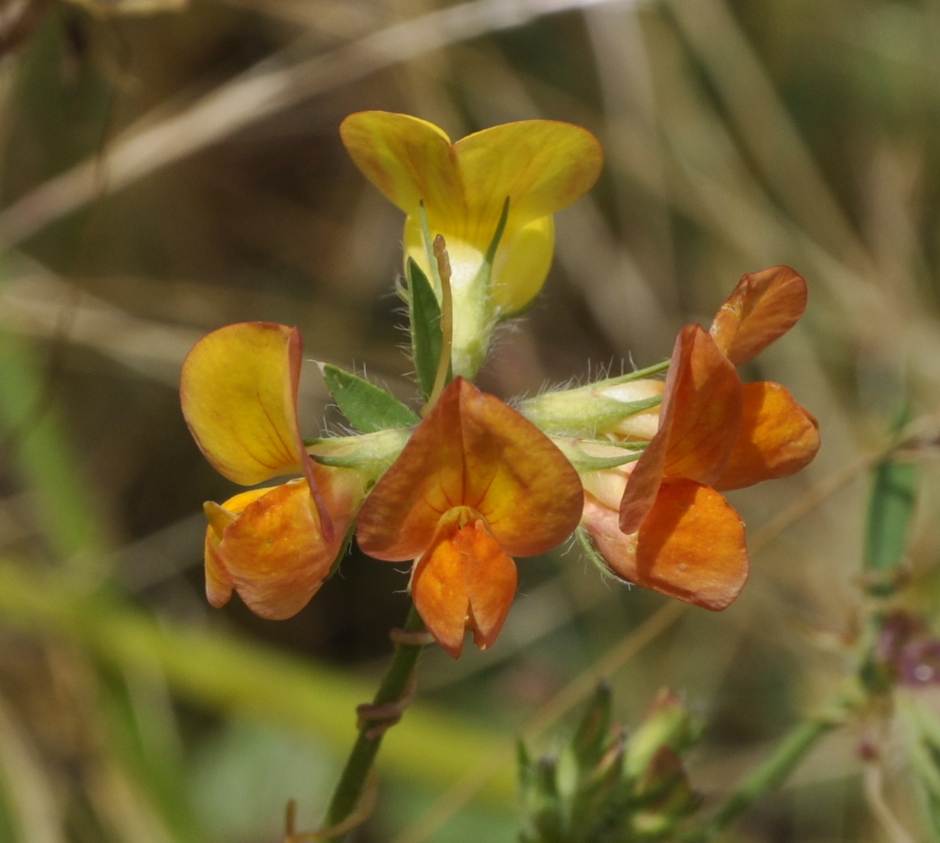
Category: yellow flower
[539,166]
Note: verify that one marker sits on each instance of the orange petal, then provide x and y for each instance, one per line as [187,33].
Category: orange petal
[219,584]
[464,581]
[763,307]
[698,424]
[691,546]
[410,161]
[778,437]
[239,396]
[473,450]
[274,553]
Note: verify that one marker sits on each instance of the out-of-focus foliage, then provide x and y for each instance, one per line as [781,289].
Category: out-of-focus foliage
[165,174]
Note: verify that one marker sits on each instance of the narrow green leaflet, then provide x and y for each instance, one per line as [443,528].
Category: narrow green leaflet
[368,407]
[894,495]
[426,340]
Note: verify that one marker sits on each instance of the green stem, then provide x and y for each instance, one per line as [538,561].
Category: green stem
[772,771]
[394,688]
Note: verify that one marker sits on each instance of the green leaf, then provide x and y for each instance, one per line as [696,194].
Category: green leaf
[894,495]
[426,338]
[368,407]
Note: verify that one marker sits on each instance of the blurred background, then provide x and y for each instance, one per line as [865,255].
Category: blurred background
[167,169]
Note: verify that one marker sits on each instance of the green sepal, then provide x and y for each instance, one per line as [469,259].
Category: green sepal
[368,407]
[570,417]
[894,495]
[426,338]
[594,556]
[584,462]
[369,453]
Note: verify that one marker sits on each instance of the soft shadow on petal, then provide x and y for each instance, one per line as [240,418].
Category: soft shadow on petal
[692,547]
[763,307]
[699,421]
[400,516]
[238,390]
[219,584]
[778,437]
[491,583]
[516,477]
[704,407]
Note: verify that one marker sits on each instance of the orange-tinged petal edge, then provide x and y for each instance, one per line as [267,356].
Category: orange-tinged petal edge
[763,307]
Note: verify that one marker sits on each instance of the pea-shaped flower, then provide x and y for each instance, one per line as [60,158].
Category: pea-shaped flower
[476,485]
[275,545]
[662,522]
[538,166]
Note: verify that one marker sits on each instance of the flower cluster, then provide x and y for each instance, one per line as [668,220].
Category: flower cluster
[633,465]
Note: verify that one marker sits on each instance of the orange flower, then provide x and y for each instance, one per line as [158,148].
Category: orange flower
[672,531]
[476,485]
[274,545]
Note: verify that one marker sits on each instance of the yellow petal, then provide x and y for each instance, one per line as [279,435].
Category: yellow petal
[473,450]
[778,437]
[464,581]
[542,166]
[239,394]
[519,271]
[763,307]
[409,160]
[522,263]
